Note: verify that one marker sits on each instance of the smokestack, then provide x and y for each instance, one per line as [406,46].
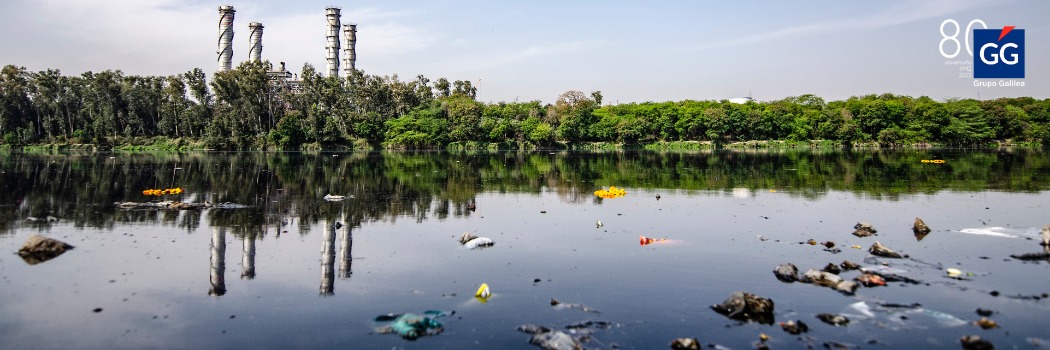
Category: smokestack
[332,48]
[350,52]
[255,41]
[225,37]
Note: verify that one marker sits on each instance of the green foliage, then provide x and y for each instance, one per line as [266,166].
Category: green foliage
[243,108]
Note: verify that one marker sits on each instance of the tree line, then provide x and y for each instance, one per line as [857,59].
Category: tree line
[243,109]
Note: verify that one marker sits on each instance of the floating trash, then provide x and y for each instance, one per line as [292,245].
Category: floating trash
[334,198]
[483,294]
[612,192]
[933,161]
[863,229]
[833,319]
[159,192]
[411,326]
[643,240]
[38,249]
[473,242]
[747,307]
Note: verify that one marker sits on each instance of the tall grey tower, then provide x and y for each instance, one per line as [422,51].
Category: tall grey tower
[350,51]
[255,41]
[332,47]
[225,37]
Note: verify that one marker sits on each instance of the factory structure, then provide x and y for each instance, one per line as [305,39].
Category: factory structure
[281,77]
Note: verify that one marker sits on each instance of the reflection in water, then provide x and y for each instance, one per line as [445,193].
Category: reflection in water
[346,241]
[328,259]
[248,257]
[218,262]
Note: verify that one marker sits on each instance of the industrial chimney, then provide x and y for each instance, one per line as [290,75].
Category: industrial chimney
[332,48]
[350,52]
[255,41]
[225,37]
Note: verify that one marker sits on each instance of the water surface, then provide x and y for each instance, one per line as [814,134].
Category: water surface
[278,274]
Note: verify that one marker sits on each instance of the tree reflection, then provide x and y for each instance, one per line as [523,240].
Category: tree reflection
[79,189]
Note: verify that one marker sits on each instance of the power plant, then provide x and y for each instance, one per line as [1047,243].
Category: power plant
[255,41]
[350,52]
[332,45]
[225,51]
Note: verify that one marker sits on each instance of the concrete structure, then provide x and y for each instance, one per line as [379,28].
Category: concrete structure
[255,41]
[225,50]
[332,47]
[350,51]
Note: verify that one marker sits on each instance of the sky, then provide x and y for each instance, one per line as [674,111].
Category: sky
[631,51]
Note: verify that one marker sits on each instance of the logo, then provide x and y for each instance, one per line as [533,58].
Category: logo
[998,54]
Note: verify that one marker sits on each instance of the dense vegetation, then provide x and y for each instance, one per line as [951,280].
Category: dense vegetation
[240,109]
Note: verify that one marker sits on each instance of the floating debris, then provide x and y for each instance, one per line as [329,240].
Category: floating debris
[560,305]
[483,294]
[832,268]
[847,287]
[172,205]
[794,327]
[847,265]
[1046,236]
[881,250]
[159,192]
[411,326]
[598,224]
[1033,256]
[973,342]
[871,280]
[920,229]
[984,312]
[833,319]
[933,161]
[863,229]
[953,273]
[821,278]
[471,241]
[747,307]
[786,272]
[38,249]
[643,240]
[334,197]
[549,339]
[685,344]
[986,323]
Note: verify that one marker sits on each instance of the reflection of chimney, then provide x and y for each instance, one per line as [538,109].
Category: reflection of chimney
[332,47]
[328,260]
[346,241]
[350,51]
[248,257]
[218,262]
[225,37]
[255,41]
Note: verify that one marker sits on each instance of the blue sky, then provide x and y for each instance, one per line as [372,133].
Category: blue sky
[535,50]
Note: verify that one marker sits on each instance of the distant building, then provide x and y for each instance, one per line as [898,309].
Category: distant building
[741,100]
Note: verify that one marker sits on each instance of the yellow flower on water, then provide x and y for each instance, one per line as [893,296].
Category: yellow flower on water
[158,192]
[612,192]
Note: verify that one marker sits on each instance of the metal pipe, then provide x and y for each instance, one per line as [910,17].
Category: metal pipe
[225,50]
[255,41]
[332,35]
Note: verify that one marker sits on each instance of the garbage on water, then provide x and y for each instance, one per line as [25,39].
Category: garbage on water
[871,280]
[834,319]
[1046,235]
[746,307]
[864,229]
[880,250]
[643,240]
[573,339]
[411,326]
[483,294]
[920,229]
[994,231]
[986,323]
[794,327]
[685,344]
[973,342]
[786,272]
[953,272]
[471,241]
[560,305]
[889,314]
[335,197]
[38,249]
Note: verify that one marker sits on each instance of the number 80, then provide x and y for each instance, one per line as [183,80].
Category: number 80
[954,37]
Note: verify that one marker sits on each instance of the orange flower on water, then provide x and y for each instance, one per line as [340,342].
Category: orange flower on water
[643,240]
